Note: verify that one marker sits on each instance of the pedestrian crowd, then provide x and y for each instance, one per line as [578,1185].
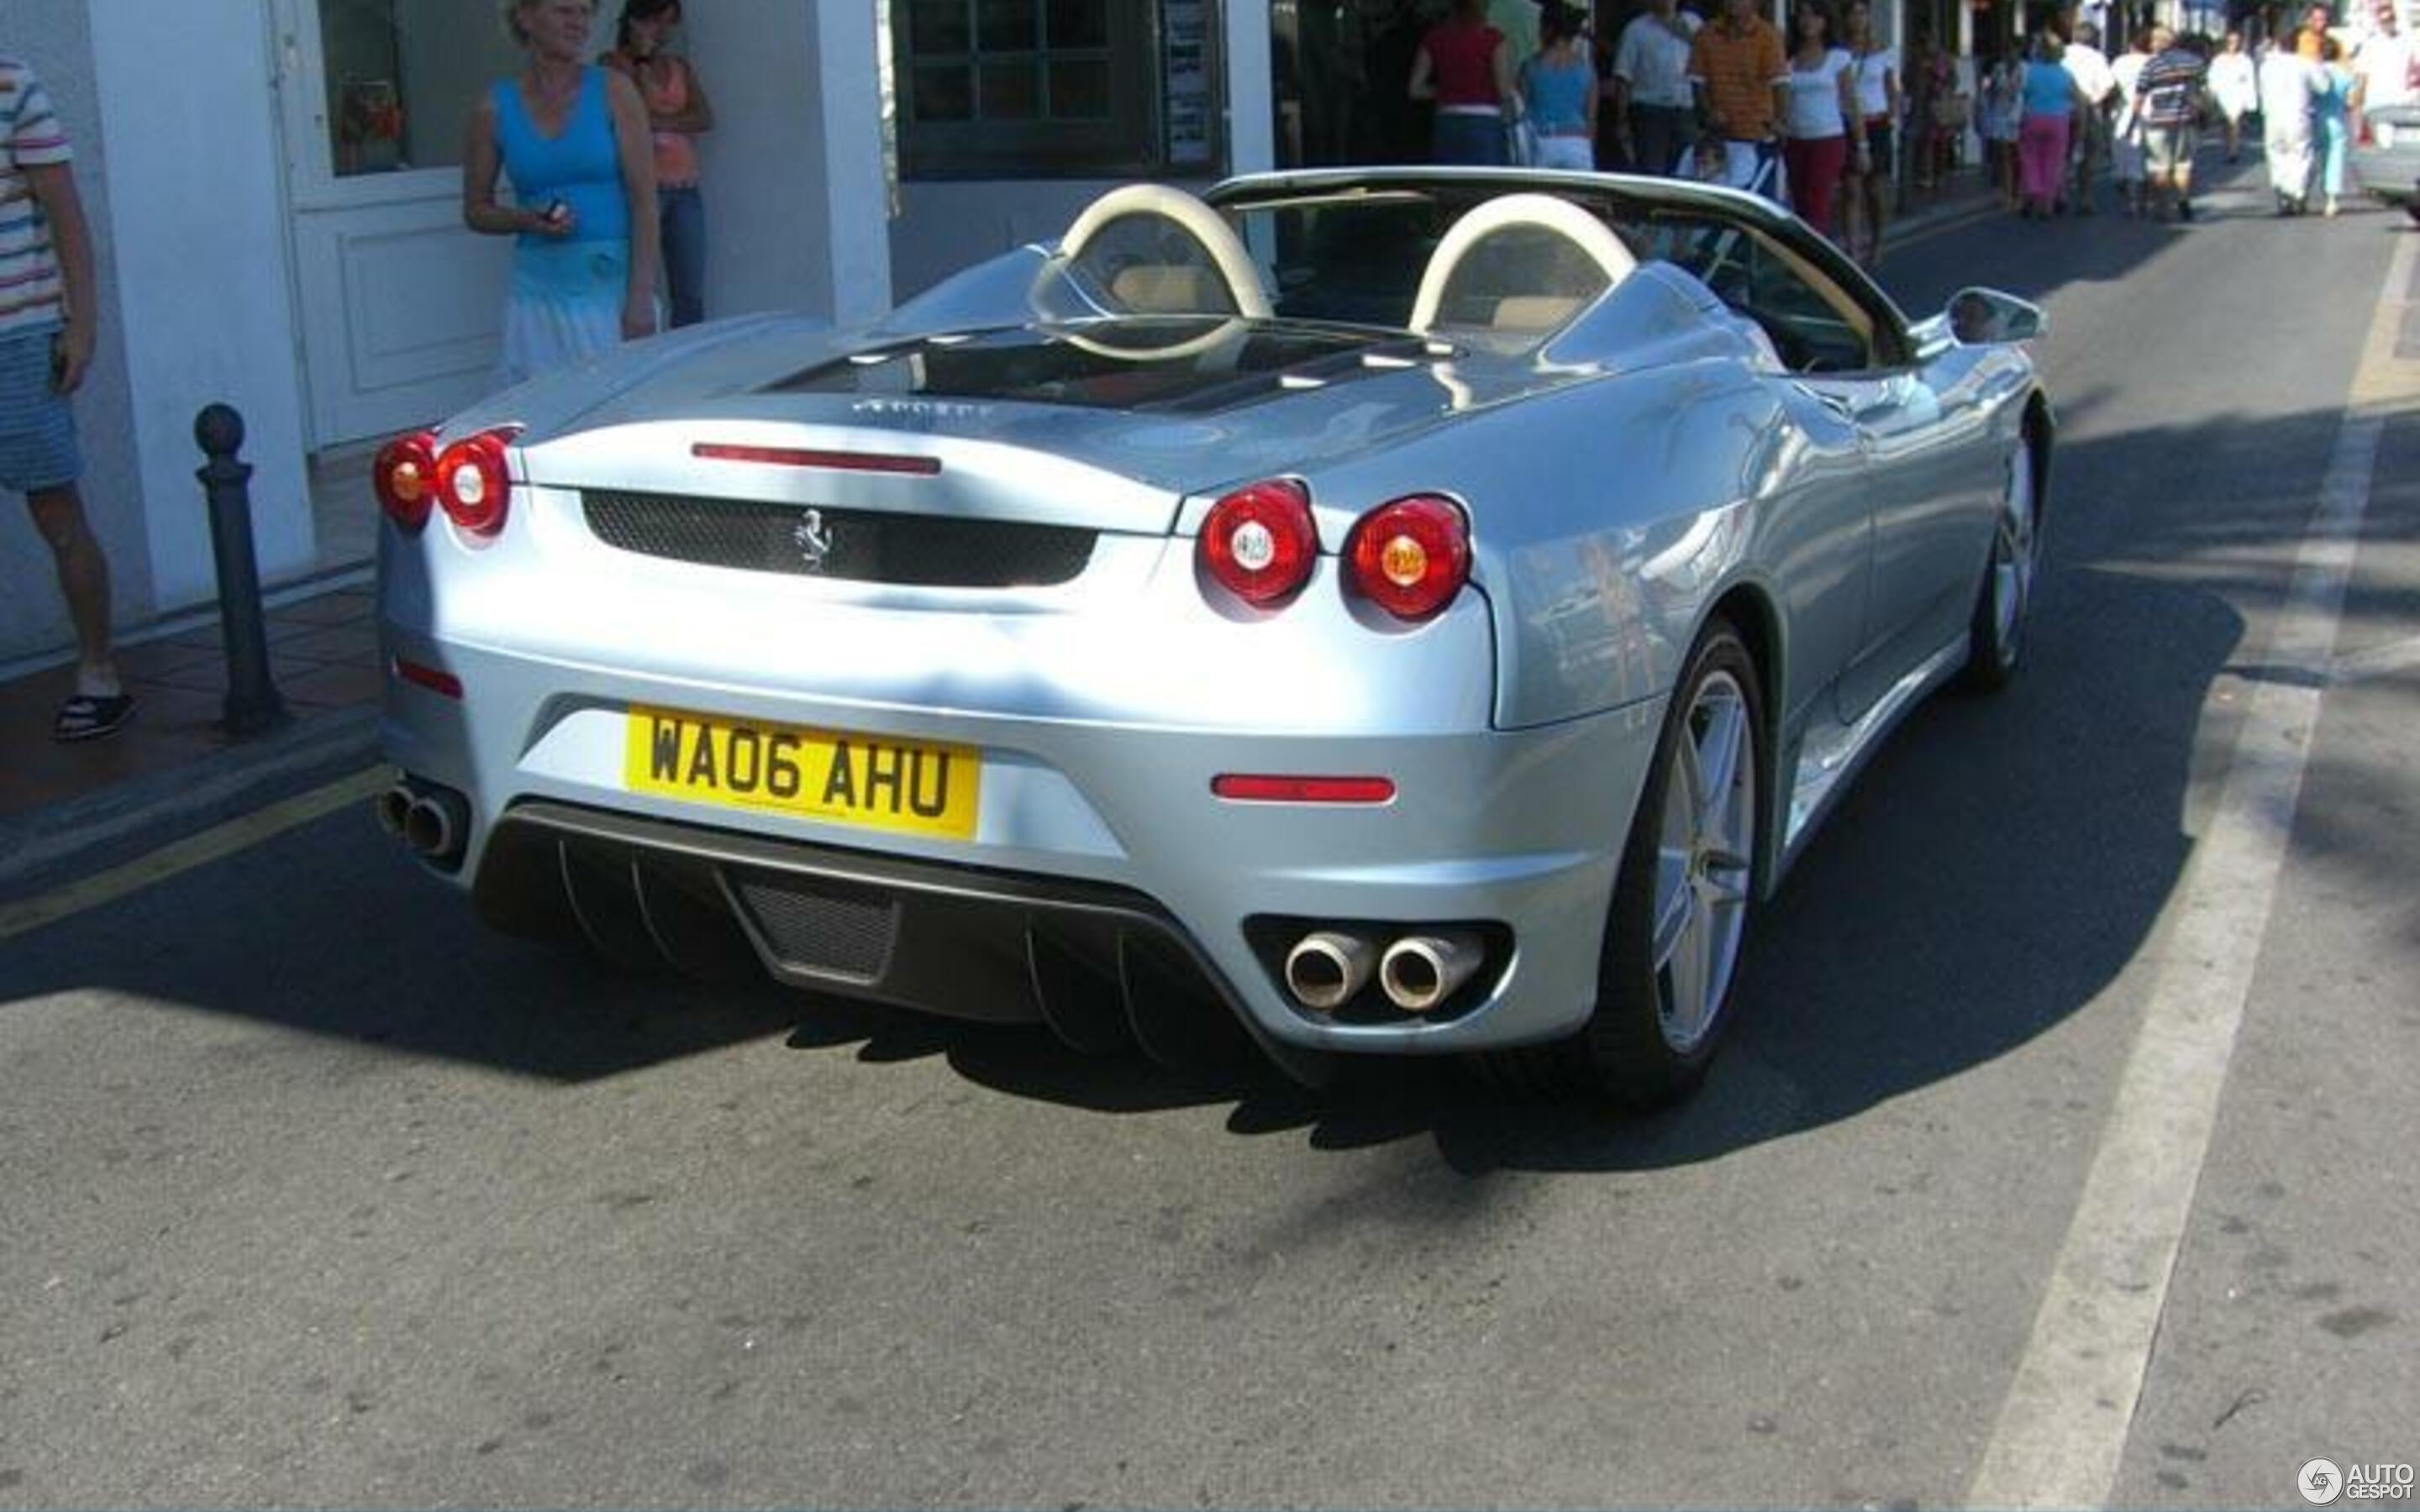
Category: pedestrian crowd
[1825,116]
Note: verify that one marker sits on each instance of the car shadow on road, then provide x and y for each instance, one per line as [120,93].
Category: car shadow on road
[1994,871]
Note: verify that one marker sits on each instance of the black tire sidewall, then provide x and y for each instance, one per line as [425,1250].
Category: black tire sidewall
[1624,1042]
[1992,662]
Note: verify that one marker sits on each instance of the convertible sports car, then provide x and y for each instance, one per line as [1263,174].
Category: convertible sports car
[1396,612]
[2386,156]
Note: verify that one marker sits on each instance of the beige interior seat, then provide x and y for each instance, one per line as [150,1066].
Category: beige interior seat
[1535,312]
[1542,311]
[1232,265]
[1151,289]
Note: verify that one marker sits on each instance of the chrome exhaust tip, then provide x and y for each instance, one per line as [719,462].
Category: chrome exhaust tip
[1328,967]
[393,807]
[1420,971]
[436,824]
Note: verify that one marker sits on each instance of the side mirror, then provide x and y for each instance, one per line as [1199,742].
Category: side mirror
[1977,317]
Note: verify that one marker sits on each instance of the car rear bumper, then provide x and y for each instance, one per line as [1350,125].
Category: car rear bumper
[1100,848]
[1100,712]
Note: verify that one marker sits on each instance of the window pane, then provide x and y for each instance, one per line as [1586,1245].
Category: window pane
[936,26]
[1080,90]
[944,94]
[1007,26]
[1080,23]
[1008,91]
[402,79]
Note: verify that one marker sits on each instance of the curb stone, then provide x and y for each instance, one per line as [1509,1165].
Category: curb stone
[54,845]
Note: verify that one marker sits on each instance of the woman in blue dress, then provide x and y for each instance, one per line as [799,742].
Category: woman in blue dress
[573,139]
[2331,115]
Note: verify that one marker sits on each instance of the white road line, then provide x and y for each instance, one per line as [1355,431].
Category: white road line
[2062,1430]
[238,834]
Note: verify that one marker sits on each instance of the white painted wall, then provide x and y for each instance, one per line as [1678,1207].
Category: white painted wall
[54,36]
[765,236]
[793,181]
[853,195]
[1252,77]
[199,228]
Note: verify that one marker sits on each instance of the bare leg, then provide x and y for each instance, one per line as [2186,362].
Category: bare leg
[84,580]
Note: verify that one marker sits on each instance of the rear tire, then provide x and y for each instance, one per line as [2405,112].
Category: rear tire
[1682,901]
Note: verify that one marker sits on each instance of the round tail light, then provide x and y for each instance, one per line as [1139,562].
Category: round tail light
[472,486]
[1410,557]
[1259,543]
[405,476]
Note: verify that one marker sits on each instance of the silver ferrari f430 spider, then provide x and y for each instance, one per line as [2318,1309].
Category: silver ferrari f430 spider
[1380,611]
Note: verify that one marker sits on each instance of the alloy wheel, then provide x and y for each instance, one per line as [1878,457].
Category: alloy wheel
[2013,551]
[1703,863]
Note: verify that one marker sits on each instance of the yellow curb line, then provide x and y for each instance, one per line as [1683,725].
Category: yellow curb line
[215,844]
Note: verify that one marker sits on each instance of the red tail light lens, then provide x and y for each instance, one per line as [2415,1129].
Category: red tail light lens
[472,486]
[1410,557]
[405,476]
[1258,542]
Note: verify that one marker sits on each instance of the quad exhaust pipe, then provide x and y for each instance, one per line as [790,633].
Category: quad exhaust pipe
[1325,970]
[394,807]
[432,822]
[1328,969]
[1420,971]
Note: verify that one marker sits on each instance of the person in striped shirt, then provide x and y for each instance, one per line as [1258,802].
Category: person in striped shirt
[47,313]
[2168,100]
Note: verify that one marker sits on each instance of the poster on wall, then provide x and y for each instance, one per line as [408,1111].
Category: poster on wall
[1186,94]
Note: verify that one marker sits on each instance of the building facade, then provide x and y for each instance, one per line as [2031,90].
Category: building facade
[275,192]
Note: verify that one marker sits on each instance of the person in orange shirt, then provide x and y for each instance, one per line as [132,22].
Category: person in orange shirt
[2314,33]
[677,110]
[1739,72]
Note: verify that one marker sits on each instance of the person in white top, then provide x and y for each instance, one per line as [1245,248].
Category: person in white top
[2002,109]
[2384,65]
[2097,82]
[1655,114]
[1819,118]
[2125,129]
[2236,87]
[2291,86]
[1866,188]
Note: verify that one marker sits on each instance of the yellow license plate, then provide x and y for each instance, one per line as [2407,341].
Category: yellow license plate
[905,786]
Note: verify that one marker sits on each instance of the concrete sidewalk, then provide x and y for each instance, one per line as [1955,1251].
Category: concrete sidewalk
[71,809]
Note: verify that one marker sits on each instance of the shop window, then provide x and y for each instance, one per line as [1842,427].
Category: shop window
[402,76]
[1040,88]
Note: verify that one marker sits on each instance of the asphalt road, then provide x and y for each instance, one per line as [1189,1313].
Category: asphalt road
[313,1192]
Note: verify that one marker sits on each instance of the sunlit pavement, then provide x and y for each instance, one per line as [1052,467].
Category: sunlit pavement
[314,1193]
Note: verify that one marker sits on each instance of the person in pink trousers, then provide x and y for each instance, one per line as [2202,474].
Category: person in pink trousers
[2052,100]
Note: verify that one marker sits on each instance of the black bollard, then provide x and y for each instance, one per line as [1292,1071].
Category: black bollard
[252,701]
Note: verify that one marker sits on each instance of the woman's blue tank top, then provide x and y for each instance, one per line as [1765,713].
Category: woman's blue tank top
[1557,93]
[579,167]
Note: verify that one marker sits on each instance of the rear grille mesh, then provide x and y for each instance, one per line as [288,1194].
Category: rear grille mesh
[916,550]
[820,925]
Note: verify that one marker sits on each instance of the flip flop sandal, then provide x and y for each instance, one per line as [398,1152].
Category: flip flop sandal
[87,718]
